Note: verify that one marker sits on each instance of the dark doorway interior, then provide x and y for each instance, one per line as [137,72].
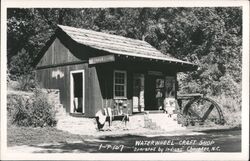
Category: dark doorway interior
[154,92]
[77,78]
[150,101]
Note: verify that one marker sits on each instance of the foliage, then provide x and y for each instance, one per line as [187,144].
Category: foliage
[21,70]
[231,111]
[208,36]
[20,65]
[17,108]
[27,82]
[30,110]
[42,113]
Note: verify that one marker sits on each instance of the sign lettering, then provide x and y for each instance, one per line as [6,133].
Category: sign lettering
[102,59]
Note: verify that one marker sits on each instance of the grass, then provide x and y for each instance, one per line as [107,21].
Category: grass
[33,136]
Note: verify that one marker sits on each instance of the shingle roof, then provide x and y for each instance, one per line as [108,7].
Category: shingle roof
[117,44]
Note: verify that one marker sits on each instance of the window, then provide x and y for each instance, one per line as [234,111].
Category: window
[120,84]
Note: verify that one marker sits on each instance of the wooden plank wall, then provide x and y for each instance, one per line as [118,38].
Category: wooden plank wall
[57,53]
[93,94]
[59,78]
[53,72]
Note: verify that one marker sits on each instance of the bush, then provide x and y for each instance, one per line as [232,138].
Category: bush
[23,83]
[42,113]
[27,82]
[231,109]
[30,110]
[18,109]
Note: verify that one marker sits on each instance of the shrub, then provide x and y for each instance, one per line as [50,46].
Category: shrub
[23,83]
[42,113]
[31,110]
[22,113]
[18,107]
[27,82]
[231,109]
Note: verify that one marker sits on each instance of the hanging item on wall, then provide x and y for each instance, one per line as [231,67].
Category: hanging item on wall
[169,101]
[170,87]
[159,83]
[57,74]
[141,100]
[138,93]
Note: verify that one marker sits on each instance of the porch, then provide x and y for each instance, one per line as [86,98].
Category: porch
[132,85]
[138,123]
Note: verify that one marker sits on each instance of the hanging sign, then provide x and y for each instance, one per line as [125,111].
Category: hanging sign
[102,59]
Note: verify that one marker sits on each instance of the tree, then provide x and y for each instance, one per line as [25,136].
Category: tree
[20,65]
[210,37]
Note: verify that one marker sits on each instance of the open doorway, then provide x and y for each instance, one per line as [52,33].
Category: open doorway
[138,93]
[154,92]
[77,91]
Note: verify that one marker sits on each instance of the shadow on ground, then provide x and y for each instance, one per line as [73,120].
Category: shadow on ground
[91,145]
[227,141]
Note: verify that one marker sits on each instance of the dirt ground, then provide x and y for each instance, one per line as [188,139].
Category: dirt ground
[222,141]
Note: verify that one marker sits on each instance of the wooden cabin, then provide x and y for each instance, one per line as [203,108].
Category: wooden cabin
[95,70]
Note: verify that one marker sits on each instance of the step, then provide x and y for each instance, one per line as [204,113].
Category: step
[165,122]
[136,121]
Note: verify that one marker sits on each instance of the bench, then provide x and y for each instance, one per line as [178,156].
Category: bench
[114,114]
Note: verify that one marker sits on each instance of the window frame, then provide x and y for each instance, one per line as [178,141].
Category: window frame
[125,84]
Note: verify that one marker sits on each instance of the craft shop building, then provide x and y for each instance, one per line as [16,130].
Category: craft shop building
[93,70]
